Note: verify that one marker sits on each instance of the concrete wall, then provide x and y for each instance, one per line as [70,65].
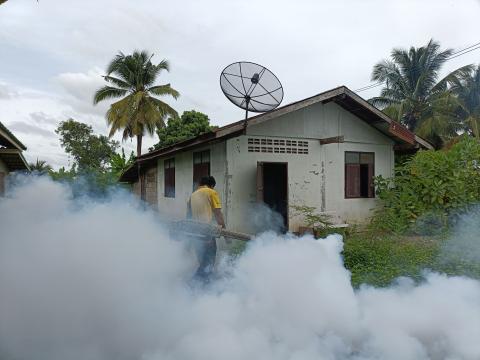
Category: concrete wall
[3,167]
[304,180]
[316,179]
[175,208]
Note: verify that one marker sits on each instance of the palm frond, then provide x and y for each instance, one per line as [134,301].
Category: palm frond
[118,82]
[453,78]
[161,90]
[108,92]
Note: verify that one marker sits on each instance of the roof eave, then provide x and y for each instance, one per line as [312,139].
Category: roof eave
[7,134]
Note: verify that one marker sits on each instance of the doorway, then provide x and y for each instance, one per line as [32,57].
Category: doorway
[272,188]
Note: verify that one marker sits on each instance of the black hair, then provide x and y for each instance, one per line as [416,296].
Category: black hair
[205,180]
[211,182]
[208,181]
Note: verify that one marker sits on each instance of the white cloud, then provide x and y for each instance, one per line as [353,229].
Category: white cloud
[310,45]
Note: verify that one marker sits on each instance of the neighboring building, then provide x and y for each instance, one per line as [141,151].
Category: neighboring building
[11,158]
[322,151]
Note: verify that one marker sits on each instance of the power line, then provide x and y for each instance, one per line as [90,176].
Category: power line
[453,56]
[468,47]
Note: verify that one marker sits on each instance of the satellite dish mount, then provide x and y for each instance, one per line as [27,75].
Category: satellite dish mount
[251,87]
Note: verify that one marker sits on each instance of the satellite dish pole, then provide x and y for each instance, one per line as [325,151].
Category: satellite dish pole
[251,87]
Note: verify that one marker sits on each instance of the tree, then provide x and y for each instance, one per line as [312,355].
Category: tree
[138,111]
[413,94]
[192,123]
[89,151]
[119,163]
[40,167]
[467,91]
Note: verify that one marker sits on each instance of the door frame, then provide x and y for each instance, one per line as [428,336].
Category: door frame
[261,186]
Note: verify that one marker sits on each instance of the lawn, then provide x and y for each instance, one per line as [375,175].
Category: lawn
[378,259]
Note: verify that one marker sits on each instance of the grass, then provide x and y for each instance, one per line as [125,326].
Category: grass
[378,259]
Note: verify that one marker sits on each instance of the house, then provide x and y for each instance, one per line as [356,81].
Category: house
[11,158]
[322,151]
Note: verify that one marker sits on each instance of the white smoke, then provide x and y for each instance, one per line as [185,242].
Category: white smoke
[90,281]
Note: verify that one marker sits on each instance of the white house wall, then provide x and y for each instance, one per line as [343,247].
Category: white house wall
[175,208]
[304,180]
[320,121]
[317,179]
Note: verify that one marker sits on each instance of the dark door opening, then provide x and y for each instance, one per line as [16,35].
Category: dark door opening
[272,188]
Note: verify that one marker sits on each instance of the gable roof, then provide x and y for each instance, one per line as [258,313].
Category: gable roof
[9,140]
[341,95]
[11,150]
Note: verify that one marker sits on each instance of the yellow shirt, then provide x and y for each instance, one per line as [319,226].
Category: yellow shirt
[202,203]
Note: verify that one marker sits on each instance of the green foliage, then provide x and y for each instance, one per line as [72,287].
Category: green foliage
[96,166]
[430,187]
[40,167]
[190,124]
[378,260]
[89,151]
[467,91]
[119,163]
[132,78]
[311,218]
[414,95]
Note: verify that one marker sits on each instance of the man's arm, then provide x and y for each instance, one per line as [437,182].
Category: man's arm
[217,208]
[219,217]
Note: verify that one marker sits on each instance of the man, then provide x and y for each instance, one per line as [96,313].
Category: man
[205,206]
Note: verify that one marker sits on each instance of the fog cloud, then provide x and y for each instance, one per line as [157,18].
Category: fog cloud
[100,281]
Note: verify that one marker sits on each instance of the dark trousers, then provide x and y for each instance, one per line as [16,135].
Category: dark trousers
[206,250]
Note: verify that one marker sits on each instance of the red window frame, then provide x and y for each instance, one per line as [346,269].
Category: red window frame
[357,173]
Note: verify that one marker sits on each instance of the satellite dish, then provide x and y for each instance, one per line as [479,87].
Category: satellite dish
[251,87]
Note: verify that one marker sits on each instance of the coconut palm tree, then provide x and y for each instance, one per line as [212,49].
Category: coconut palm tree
[413,93]
[467,92]
[132,78]
[40,167]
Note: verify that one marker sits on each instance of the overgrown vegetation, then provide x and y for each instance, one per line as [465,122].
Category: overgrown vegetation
[430,189]
[379,259]
[318,222]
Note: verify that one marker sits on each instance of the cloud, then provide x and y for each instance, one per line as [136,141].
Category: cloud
[6,92]
[79,89]
[26,128]
[310,45]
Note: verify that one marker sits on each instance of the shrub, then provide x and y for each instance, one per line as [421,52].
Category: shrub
[430,186]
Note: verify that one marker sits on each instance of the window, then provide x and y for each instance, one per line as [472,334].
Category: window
[201,166]
[169,174]
[359,173]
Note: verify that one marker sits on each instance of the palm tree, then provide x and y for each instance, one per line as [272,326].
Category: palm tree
[138,111]
[467,92]
[413,93]
[40,167]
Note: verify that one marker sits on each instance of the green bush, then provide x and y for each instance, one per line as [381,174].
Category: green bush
[429,187]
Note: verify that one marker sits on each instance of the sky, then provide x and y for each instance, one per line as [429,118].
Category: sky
[54,52]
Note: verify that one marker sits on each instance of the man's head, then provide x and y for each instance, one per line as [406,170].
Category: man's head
[208,181]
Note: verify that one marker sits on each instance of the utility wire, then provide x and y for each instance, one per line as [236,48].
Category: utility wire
[453,56]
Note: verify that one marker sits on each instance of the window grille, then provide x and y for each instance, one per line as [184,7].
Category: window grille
[277,146]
